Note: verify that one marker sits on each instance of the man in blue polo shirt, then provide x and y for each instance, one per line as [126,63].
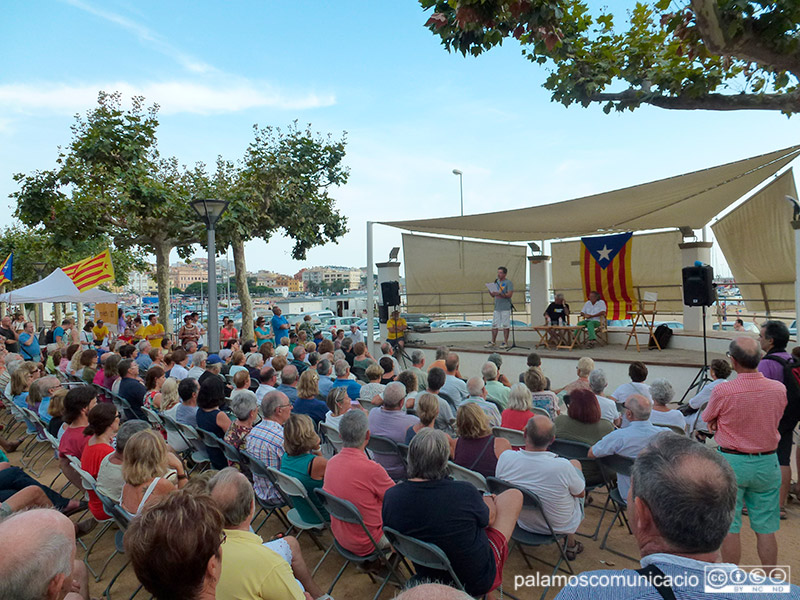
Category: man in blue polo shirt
[342,370]
[280,326]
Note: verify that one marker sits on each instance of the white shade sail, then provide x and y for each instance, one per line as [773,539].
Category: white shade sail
[757,240]
[56,287]
[689,200]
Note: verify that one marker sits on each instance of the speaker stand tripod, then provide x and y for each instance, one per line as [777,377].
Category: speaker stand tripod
[513,333]
[702,377]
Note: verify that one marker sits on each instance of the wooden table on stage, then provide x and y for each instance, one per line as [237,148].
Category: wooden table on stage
[560,336]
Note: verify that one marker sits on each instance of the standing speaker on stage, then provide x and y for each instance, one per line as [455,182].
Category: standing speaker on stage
[501,291]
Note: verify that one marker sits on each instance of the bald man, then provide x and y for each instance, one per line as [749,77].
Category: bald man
[433,591]
[745,413]
[42,564]
[629,440]
[558,482]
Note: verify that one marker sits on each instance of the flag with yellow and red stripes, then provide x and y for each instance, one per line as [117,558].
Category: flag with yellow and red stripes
[91,272]
[606,269]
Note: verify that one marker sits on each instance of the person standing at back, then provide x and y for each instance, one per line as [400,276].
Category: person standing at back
[745,413]
[501,319]
[774,338]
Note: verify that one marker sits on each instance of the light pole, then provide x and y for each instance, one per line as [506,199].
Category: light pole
[210,210]
[461,187]
[39,267]
[461,190]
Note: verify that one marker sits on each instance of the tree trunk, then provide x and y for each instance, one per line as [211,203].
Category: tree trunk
[162,280]
[58,313]
[248,328]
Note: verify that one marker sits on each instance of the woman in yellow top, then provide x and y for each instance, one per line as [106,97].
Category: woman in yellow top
[138,329]
[154,332]
[100,332]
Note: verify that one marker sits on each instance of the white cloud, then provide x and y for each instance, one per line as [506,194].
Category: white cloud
[146,36]
[229,95]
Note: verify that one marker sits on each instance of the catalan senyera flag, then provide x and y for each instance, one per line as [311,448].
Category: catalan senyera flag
[91,272]
[7,269]
[606,268]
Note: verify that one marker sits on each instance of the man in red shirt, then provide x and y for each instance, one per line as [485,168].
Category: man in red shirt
[352,476]
[745,413]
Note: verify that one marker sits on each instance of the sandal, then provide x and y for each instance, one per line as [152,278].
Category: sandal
[574,550]
[783,516]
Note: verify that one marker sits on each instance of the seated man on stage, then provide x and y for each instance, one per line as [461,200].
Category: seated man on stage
[397,327]
[592,314]
[557,312]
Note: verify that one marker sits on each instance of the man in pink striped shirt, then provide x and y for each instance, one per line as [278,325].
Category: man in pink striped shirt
[745,413]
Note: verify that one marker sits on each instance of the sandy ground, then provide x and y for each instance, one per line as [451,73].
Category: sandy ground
[357,586]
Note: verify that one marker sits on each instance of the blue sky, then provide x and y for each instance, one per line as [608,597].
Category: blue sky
[412,111]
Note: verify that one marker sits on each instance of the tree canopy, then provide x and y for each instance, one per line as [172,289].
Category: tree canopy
[675,54]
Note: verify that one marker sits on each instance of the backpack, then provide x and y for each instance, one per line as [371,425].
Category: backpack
[791,379]
[663,334]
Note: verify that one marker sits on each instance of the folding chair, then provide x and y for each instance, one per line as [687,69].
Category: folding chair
[199,453]
[257,467]
[646,317]
[20,419]
[90,484]
[572,450]
[621,465]
[346,512]
[383,446]
[424,554]
[460,473]
[675,428]
[122,520]
[209,440]
[294,491]
[123,406]
[172,428]
[153,418]
[521,537]
[517,438]
[540,411]
[332,437]
[34,457]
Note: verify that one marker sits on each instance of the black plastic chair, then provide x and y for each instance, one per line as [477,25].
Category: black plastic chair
[522,537]
[346,512]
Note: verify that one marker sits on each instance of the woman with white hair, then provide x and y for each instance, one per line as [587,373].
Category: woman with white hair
[245,407]
[662,393]
[518,412]
[583,368]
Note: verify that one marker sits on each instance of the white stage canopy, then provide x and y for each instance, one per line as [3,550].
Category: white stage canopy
[56,287]
[757,240]
[689,200]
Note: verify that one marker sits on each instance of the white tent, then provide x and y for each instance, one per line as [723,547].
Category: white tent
[56,287]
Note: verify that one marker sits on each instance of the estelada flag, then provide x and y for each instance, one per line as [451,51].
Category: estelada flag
[606,268]
[91,272]
[7,269]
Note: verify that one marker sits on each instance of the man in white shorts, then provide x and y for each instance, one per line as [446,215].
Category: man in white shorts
[502,307]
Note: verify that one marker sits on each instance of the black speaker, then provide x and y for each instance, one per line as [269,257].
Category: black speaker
[698,286]
[383,313]
[390,290]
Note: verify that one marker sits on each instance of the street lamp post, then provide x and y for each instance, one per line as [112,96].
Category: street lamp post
[39,267]
[460,187]
[209,210]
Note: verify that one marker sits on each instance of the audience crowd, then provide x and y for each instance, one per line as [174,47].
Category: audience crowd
[192,445]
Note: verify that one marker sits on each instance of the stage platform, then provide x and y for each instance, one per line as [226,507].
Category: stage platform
[612,353]
[679,363]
